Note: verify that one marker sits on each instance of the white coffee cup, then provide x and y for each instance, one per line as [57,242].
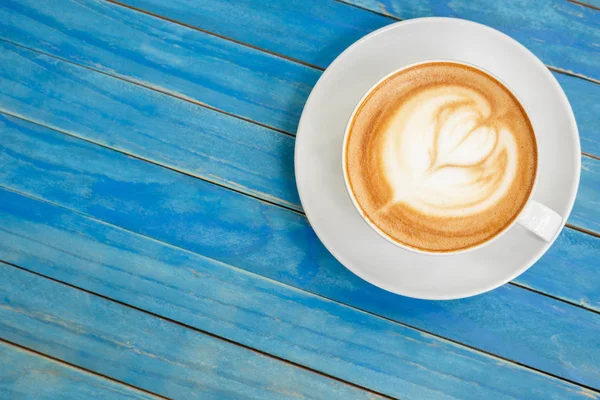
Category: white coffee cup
[537,218]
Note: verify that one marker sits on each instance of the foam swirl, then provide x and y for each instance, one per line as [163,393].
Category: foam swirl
[446,152]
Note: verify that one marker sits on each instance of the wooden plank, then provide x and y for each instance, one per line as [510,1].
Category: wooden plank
[217,72]
[145,351]
[560,33]
[164,56]
[180,135]
[257,312]
[276,243]
[151,125]
[26,375]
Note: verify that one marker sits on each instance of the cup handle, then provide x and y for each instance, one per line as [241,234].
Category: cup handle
[541,220]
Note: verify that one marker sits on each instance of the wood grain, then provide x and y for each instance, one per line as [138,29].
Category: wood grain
[146,351]
[148,124]
[164,56]
[276,243]
[560,33]
[213,71]
[175,133]
[26,375]
[257,312]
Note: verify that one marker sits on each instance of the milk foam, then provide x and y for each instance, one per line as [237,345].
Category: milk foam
[446,154]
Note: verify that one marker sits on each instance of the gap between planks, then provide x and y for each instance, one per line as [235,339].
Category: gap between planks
[583,230]
[256,197]
[289,287]
[593,7]
[590,155]
[529,288]
[201,331]
[77,367]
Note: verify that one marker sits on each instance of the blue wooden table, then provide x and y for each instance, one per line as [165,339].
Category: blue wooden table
[153,245]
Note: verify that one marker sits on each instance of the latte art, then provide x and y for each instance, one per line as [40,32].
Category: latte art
[463,159]
[440,157]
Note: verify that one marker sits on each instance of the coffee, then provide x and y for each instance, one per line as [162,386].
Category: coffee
[440,157]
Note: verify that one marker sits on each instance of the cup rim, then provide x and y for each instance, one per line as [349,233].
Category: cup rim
[372,225]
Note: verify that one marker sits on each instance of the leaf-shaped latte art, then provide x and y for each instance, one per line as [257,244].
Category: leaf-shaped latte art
[446,153]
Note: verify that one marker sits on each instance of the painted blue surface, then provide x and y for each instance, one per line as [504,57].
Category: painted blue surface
[223,149]
[560,33]
[146,351]
[226,301]
[214,71]
[166,130]
[26,375]
[279,244]
[103,217]
[164,56]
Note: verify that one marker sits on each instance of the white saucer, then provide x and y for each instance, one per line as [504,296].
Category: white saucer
[318,153]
